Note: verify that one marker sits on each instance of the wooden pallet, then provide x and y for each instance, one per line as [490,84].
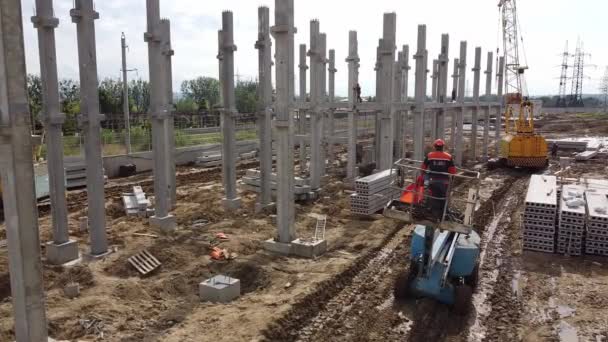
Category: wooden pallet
[144,262]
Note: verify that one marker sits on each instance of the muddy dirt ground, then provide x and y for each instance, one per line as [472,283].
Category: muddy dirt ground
[345,295]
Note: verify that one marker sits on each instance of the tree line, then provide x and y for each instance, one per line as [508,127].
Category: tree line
[200,95]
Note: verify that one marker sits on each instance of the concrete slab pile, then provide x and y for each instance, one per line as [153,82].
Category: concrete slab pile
[302,190]
[540,213]
[136,203]
[160,117]
[84,15]
[18,193]
[596,241]
[572,216]
[373,192]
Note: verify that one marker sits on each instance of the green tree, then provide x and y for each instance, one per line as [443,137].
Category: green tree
[186,106]
[139,96]
[34,94]
[204,91]
[69,97]
[246,96]
[110,96]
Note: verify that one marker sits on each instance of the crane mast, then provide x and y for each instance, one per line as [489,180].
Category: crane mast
[515,86]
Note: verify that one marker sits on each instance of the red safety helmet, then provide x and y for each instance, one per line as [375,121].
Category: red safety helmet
[439,143]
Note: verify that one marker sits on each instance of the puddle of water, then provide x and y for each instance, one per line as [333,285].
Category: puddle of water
[566,332]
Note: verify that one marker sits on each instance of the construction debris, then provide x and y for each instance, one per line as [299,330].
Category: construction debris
[144,262]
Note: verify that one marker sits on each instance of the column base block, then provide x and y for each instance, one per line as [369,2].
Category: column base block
[231,204]
[62,253]
[269,208]
[166,224]
[298,247]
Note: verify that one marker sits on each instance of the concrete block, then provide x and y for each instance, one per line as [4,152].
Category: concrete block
[308,249]
[277,247]
[219,289]
[72,290]
[231,204]
[166,224]
[63,253]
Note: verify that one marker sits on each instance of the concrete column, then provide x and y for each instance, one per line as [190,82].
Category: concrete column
[125,93]
[167,69]
[229,114]
[435,79]
[160,119]
[353,80]
[17,177]
[500,74]
[83,14]
[385,97]
[377,135]
[420,94]
[459,146]
[397,115]
[316,133]
[486,119]
[405,92]
[264,46]
[443,84]
[302,113]
[61,249]
[323,99]
[453,97]
[283,33]
[475,115]
[332,99]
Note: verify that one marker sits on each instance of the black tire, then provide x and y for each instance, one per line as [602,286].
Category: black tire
[463,298]
[473,279]
[402,289]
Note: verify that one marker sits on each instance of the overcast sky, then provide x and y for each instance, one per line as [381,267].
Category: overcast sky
[546,25]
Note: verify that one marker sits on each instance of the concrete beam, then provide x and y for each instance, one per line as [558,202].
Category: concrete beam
[17,171]
[475,114]
[283,32]
[460,114]
[84,15]
[486,120]
[500,75]
[160,114]
[61,249]
[353,82]
[264,46]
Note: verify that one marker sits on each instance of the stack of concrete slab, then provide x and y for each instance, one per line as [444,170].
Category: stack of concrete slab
[583,156]
[575,145]
[76,174]
[539,214]
[252,182]
[209,159]
[373,192]
[597,222]
[136,203]
[572,215]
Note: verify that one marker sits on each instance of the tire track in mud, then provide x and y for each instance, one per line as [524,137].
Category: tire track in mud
[436,322]
[311,317]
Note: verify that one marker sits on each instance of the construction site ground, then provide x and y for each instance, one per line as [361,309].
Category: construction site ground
[344,295]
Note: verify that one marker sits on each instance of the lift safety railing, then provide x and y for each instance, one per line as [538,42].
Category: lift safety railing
[407,172]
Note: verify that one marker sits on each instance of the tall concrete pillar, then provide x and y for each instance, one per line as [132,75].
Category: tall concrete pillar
[83,14]
[302,113]
[316,128]
[500,75]
[459,145]
[397,115]
[283,33]
[420,94]
[405,93]
[442,86]
[453,97]
[61,249]
[167,69]
[353,80]
[486,119]
[332,99]
[17,177]
[475,115]
[385,97]
[160,115]
[264,106]
[229,114]
[323,99]
[125,94]
[377,135]
[434,90]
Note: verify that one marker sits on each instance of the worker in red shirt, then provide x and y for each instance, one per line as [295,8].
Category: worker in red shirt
[439,165]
